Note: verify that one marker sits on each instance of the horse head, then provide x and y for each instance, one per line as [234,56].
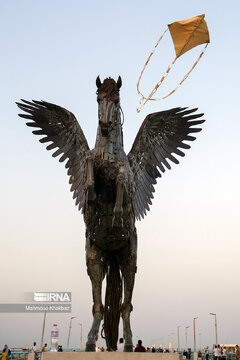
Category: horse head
[108,103]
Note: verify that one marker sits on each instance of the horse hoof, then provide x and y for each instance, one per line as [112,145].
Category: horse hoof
[128,348]
[90,347]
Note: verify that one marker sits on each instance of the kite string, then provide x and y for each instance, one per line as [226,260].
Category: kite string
[160,82]
[145,99]
[151,54]
[186,76]
[163,78]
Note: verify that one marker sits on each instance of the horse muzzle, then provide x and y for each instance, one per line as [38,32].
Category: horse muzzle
[104,128]
[106,119]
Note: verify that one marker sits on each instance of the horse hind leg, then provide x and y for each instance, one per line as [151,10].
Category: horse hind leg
[95,269]
[128,270]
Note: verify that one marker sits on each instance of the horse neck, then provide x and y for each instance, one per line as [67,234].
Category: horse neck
[106,147]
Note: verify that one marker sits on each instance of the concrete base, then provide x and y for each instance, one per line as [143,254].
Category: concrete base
[195,356]
[106,356]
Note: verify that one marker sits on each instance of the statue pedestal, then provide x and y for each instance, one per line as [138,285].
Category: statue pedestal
[105,356]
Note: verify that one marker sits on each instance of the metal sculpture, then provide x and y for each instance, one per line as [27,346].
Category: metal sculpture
[113,190]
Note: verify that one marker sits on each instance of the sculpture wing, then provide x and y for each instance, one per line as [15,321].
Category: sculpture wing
[159,137]
[60,127]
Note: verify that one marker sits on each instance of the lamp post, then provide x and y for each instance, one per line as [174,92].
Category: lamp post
[215,327]
[178,337]
[186,336]
[168,341]
[194,333]
[69,331]
[43,329]
[200,341]
[80,336]
[172,340]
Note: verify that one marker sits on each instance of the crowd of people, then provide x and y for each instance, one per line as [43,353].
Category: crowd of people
[6,352]
[140,348]
[218,353]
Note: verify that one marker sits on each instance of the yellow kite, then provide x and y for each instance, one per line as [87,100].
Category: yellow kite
[186,34]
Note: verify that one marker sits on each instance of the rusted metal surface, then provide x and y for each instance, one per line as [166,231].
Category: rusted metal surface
[113,190]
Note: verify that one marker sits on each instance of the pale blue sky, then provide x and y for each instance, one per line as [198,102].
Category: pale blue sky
[188,255]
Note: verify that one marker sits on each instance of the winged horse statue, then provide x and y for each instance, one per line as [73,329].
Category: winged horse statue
[113,190]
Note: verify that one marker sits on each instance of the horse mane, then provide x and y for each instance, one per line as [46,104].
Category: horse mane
[109,88]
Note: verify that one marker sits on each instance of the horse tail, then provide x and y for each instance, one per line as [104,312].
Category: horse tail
[112,308]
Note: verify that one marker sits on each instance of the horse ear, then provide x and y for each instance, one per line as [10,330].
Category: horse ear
[98,82]
[119,82]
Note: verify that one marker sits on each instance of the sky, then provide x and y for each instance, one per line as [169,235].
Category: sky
[188,245]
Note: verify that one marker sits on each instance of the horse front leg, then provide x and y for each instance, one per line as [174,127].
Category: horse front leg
[91,193]
[95,269]
[117,220]
[129,269]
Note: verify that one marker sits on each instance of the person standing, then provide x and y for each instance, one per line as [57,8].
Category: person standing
[6,353]
[237,352]
[139,347]
[59,348]
[215,352]
[44,347]
[34,351]
[224,353]
[207,353]
[120,347]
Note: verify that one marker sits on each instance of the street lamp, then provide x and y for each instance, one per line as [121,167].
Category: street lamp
[43,329]
[178,337]
[215,327]
[69,331]
[80,336]
[200,341]
[172,339]
[186,336]
[194,333]
[168,341]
